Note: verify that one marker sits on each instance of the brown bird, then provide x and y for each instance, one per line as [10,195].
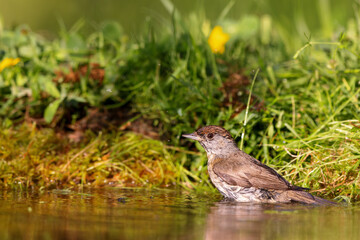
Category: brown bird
[242,178]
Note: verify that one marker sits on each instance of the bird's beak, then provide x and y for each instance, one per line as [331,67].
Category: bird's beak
[193,136]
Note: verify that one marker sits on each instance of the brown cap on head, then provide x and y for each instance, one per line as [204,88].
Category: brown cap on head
[211,129]
[214,130]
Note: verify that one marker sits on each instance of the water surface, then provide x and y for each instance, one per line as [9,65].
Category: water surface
[165,214]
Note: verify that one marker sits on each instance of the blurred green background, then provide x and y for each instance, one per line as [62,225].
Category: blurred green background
[297,16]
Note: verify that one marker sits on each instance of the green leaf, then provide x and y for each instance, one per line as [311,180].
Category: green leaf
[51,110]
[112,30]
[51,89]
[28,51]
[21,80]
[75,42]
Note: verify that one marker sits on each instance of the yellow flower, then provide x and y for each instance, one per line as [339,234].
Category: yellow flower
[217,40]
[8,62]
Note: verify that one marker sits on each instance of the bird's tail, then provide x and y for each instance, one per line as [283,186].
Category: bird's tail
[323,201]
[304,197]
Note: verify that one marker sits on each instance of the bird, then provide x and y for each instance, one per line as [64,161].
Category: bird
[242,178]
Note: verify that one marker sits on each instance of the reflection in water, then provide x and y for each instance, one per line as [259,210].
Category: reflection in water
[231,220]
[101,214]
[162,214]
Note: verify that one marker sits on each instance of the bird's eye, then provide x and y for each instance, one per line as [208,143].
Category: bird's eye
[210,135]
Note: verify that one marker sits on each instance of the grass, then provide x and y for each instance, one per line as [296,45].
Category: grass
[32,157]
[302,114]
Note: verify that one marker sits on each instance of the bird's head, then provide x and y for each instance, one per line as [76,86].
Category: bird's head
[214,139]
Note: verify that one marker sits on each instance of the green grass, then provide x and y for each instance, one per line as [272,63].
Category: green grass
[303,117]
[43,158]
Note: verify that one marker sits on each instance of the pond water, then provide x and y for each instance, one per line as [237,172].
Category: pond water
[164,214]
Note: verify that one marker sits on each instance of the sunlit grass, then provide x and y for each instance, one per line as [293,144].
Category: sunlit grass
[302,117]
[42,158]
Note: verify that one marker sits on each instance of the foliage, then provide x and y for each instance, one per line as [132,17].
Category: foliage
[303,114]
[31,157]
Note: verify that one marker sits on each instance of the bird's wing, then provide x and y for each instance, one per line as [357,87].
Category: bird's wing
[250,173]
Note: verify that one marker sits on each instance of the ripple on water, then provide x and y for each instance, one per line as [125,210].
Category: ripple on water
[114,213]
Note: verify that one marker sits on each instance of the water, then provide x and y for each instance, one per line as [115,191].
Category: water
[164,214]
